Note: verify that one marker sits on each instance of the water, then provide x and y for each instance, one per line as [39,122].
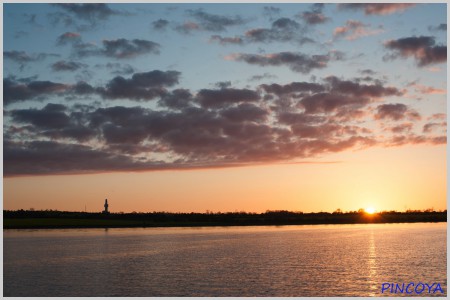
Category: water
[328,260]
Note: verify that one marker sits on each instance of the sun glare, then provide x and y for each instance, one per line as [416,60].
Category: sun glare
[370,210]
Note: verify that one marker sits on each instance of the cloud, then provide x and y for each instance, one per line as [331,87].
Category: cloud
[281,30]
[271,12]
[354,30]
[177,99]
[422,48]
[357,89]
[428,90]
[52,116]
[91,13]
[141,86]
[212,22]
[118,48]
[117,68]
[315,15]
[377,8]
[245,112]
[88,11]
[50,157]
[440,27]
[395,112]
[22,57]
[187,27]
[220,127]
[62,65]
[297,62]
[293,87]
[261,77]
[227,40]
[429,127]
[329,102]
[68,38]
[14,91]
[225,96]
[160,24]
[123,48]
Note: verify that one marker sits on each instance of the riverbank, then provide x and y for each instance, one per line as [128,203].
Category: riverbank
[57,219]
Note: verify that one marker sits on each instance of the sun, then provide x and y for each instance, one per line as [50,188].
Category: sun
[370,210]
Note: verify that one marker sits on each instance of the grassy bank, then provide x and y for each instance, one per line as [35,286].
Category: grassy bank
[57,219]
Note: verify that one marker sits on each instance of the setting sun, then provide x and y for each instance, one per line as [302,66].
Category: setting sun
[370,210]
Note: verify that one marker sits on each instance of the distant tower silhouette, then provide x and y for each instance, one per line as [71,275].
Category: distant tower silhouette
[106,207]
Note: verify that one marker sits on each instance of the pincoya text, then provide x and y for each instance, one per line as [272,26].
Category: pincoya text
[411,288]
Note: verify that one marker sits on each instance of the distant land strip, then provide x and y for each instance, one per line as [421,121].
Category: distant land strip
[31,219]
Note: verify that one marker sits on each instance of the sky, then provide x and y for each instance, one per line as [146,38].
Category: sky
[224,107]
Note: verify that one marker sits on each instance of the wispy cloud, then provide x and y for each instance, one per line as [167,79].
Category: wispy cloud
[377,8]
[297,62]
[354,30]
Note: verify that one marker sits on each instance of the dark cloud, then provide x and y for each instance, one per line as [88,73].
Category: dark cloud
[297,62]
[68,38]
[261,77]
[52,116]
[402,128]
[315,15]
[123,48]
[422,48]
[187,27]
[50,157]
[120,69]
[225,96]
[223,84]
[271,12]
[293,87]
[21,33]
[221,127]
[377,8]
[440,27]
[363,90]
[177,99]
[62,65]
[245,112]
[227,40]
[88,11]
[212,22]
[396,112]
[83,16]
[160,24]
[281,30]
[430,127]
[118,48]
[141,86]
[82,88]
[330,102]
[22,57]
[367,72]
[14,91]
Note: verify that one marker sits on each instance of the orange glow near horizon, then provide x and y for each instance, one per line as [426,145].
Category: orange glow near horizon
[385,178]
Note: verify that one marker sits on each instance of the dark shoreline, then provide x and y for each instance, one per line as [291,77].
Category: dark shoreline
[61,220]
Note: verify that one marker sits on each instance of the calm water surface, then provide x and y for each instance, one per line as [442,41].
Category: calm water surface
[328,260]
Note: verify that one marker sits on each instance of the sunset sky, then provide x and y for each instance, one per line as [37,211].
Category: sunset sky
[224,107]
